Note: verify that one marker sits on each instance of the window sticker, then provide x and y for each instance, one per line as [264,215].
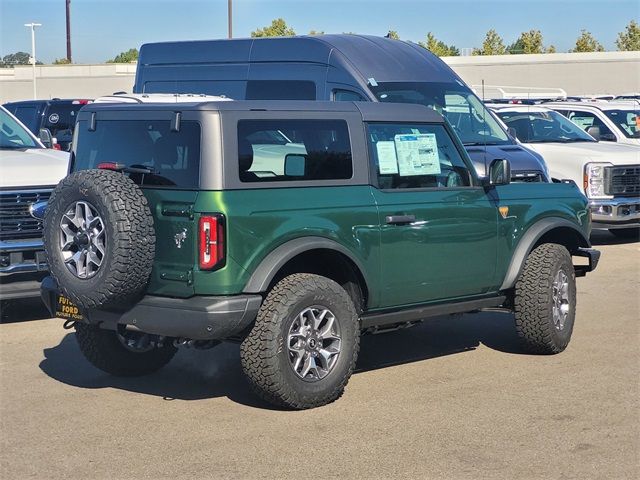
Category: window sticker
[387,159]
[417,154]
[582,122]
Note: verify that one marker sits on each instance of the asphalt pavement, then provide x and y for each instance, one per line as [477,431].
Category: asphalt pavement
[453,398]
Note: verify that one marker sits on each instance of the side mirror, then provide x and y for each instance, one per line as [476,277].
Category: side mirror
[294,165]
[499,173]
[594,132]
[46,138]
[512,132]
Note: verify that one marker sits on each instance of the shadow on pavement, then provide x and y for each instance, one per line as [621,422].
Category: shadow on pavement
[197,374]
[604,237]
[23,309]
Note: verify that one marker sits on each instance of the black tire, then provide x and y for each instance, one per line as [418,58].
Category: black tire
[106,351]
[534,300]
[627,233]
[265,355]
[129,245]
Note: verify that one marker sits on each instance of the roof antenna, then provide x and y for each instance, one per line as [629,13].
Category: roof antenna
[484,131]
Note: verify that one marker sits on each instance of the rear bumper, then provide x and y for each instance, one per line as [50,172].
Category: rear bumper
[594,257]
[197,318]
[615,213]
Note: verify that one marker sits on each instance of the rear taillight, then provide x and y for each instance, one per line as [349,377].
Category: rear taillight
[56,146]
[211,244]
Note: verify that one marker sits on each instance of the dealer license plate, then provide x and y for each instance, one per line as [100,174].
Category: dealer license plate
[66,309]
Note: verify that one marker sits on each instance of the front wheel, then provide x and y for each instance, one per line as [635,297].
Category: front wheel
[304,344]
[545,300]
[123,353]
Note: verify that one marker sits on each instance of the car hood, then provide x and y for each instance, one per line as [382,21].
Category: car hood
[32,167]
[521,159]
[567,160]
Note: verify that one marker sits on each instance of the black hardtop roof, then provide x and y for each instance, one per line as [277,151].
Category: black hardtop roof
[370,111]
[380,58]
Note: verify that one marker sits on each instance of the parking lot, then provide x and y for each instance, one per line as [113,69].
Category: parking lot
[451,398]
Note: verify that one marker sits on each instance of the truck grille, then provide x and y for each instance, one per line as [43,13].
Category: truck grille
[16,222]
[623,181]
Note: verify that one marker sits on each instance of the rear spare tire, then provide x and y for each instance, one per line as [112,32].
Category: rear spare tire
[99,238]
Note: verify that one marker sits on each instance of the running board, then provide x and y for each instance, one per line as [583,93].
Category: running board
[423,312]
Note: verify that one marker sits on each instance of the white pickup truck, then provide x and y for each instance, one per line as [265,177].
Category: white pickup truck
[608,172]
[28,173]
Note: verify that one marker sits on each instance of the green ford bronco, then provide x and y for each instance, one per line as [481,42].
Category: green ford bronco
[292,228]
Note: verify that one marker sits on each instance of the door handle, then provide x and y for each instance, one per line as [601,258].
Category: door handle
[400,219]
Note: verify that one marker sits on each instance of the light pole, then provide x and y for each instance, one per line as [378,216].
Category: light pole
[33,53]
[230,18]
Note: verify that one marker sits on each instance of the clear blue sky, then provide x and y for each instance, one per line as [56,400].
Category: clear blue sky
[103,28]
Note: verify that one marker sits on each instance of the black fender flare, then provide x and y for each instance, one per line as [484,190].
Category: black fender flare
[529,239]
[275,260]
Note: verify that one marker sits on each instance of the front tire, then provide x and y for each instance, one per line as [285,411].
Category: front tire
[304,344]
[122,354]
[545,300]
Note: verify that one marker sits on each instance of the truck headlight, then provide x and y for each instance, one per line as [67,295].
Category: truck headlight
[594,181]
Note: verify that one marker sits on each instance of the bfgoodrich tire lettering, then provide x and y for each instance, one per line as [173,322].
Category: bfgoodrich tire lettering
[128,237]
[545,300]
[265,355]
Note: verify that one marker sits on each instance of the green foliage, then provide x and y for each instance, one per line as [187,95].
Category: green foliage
[492,45]
[18,58]
[528,42]
[629,40]
[278,28]
[316,32]
[438,47]
[129,56]
[586,43]
[61,61]
[393,35]
[550,49]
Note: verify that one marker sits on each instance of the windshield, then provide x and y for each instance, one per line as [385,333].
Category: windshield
[627,120]
[13,135]
[543,126]
[464,111]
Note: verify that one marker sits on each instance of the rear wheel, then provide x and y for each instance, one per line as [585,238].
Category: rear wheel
[545,300]
[304,344]
[123,353]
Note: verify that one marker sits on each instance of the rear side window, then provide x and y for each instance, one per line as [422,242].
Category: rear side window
[173,157]
[293,150]
[281,90]
[416,156]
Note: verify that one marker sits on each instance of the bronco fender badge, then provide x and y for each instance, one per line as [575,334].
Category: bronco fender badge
[180,237]
[504,211]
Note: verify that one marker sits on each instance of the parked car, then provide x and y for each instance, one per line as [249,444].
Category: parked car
[608,172]
[339,68]
[614,121]
[58,116]
[162,236]
[28,173]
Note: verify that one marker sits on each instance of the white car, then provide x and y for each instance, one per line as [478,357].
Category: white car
[28,173]
[608,173]
[616,121]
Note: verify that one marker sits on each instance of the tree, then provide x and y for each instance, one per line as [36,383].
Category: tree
[61,61]
[130,55]
[438,47]
[629,40]
[18,58]
[492,45]
[278,28]
[527,42]
[316,32]
[550,49]
[393,35]
[586,43]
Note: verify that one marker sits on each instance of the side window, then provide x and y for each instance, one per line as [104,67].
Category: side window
[290,150]
[416,156]
[347,96]
[586,119]
[281,90]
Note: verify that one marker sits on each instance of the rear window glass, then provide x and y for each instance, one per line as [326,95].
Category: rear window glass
[173,157]
[28,116]
[281,90]
[293,150]
[60,119]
